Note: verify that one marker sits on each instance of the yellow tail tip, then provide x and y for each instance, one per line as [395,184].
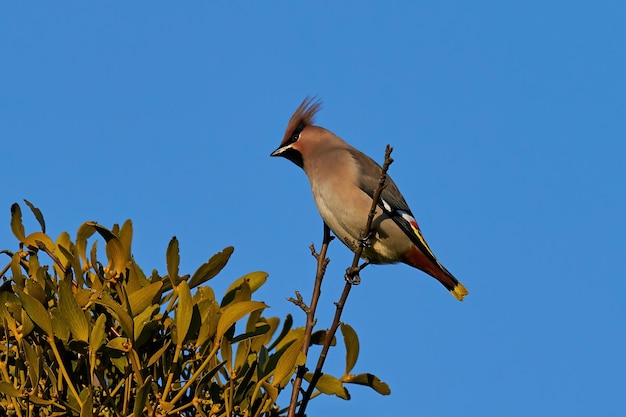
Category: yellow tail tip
[459,291]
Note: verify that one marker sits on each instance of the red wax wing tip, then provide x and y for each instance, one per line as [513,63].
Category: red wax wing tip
[414,224]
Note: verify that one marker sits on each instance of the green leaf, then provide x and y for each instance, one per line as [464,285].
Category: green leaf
[142,396]
[37,312]
[16,222]
[184,312]
[142,299]
[73,314]
[369,380]
[173,261]
[233,313]
[329,385]
[287,363]
[211,268]
[351,341]
[38,215]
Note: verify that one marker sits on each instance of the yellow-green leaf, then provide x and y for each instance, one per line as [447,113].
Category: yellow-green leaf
[63,241]
[87,408]
[351,341]
[254,279]
[33,359]
[124,318]
[319,338]
[142,299]
[126,237]
[329,385]
[10,390]
[211,268]
[34,239]
[210,319]
[40,401]
[287,363]
[173,261]
[16,269]
[369,380]
[157,355]
[114,249]
[84,232]
[144,325]
[60,325]
[142,396]
[37,312]
[16,222]
[96,340]
[38,215]
[73,314]
[234,312]
[184,311]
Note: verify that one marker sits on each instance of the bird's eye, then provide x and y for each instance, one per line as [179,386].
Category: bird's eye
[295,137]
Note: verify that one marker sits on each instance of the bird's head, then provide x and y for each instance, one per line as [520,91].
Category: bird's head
[301,135]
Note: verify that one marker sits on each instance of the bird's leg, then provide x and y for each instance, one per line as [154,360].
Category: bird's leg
[365,242]
[352,273]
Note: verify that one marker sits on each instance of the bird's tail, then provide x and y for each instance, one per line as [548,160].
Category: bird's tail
[433,267]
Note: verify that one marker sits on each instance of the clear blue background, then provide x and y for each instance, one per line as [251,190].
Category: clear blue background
[508,126]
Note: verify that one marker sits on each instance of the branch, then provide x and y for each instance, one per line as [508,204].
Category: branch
[352,277]
[322,262]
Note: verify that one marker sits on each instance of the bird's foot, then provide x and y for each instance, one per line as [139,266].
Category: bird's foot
[352,273]
[366,241]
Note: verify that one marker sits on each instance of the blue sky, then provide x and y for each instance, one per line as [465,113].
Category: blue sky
[507,121]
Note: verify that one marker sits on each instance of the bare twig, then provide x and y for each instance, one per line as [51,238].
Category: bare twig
[322,262]
[352,277]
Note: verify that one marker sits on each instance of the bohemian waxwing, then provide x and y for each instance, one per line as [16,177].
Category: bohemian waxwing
[343,181]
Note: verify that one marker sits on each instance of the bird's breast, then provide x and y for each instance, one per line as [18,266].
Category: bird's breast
[345,210]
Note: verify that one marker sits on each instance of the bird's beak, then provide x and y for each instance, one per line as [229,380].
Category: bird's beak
[288,152]
[279,151]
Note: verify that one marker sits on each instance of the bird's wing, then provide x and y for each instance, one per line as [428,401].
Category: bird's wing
[391,202]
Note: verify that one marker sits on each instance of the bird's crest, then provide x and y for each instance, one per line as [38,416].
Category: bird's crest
[303,116]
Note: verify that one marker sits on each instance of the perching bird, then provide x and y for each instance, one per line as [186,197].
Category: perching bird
[343,181]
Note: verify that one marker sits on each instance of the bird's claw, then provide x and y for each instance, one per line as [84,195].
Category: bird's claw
[352,275]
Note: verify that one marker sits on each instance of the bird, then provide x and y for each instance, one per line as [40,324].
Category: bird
[343,181]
